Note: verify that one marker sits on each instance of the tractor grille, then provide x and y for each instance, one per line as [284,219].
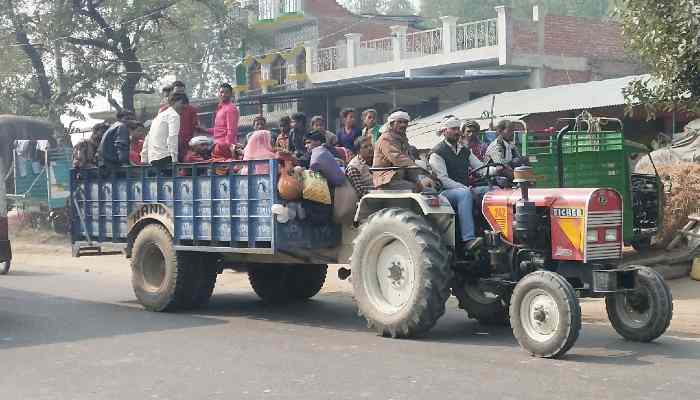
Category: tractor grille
[598,219]
[604,251]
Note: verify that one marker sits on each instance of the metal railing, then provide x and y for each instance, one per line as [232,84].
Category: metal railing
[330,58]
[474,35]
[291,6]
[265,10]
[375,51]
[423,43]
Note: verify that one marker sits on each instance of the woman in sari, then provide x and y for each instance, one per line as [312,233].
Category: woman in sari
[259,147]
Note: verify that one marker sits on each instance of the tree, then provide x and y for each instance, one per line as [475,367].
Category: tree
[664,34]
[59,53]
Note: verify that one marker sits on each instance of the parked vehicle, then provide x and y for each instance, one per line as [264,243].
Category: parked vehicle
[544,248]
[43,188]
[13,127]
[588,157]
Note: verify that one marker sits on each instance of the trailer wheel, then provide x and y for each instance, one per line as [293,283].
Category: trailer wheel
[305,281]
[644,314]
[5,267]
[545,314]
[481,306]
[401,273]
[270,282]
[159,274]
[200,285]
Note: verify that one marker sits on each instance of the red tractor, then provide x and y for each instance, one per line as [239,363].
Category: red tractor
[544,248]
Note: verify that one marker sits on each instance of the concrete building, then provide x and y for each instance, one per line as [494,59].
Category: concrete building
[326,58]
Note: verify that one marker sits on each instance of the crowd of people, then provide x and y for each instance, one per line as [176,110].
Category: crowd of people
[373,156]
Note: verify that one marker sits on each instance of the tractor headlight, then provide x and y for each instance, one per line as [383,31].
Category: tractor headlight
[611,235]
[592,236]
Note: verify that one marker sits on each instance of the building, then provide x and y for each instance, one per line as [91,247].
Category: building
[541,109]
[322,58]
[326,58]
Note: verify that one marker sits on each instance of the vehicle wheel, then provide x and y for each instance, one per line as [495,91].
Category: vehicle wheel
[75,250]
[203,280]
[270,282]
[545,314]
[5,267]
[644,314]
[305,281]
[401,273]
[641,245]
[159,274]
[484,307]
[60,223]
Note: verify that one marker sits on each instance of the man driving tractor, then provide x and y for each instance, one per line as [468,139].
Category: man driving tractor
[450,162]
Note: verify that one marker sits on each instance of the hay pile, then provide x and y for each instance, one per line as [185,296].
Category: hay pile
[683,200]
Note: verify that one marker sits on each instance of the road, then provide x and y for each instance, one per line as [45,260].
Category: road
[70,329]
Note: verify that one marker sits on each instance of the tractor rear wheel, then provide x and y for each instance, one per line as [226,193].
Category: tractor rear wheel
[401,273]
[545,314]
[487,308]
[644,314]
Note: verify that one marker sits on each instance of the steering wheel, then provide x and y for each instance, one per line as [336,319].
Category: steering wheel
[488,179]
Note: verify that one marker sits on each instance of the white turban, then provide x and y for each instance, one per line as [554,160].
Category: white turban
[449,123]
[197,140]
[399,115]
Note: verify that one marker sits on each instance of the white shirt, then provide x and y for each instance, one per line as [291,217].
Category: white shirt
[163,137]
[437,164]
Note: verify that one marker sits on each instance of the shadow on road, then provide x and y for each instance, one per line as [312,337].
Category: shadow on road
[597,344]
[31,319]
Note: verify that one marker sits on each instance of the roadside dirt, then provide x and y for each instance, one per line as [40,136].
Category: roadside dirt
[51,253]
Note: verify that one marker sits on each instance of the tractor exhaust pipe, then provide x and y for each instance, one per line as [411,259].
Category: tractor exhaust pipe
[526,219]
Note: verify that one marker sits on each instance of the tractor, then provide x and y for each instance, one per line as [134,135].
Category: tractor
[543,249]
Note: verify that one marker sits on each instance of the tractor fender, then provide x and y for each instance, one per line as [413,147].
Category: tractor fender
[146,214]
[441,216]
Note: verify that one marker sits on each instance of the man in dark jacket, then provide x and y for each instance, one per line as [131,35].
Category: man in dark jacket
[114,147]
[297,135]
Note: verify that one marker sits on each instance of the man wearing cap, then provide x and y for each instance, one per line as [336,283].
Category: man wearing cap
[450,161]
[200,149]
[392,150]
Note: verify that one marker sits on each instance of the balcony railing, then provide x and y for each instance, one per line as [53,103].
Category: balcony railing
[291,6]
[330,58]
[423,43]
[474,35]
[404,46]
[376,51]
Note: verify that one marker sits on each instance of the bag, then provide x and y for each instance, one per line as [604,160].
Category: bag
[316,188]
[345,203]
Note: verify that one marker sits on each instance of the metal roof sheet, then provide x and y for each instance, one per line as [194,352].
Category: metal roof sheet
[513,105]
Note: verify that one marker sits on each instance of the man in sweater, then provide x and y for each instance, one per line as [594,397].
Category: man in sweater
[450,161]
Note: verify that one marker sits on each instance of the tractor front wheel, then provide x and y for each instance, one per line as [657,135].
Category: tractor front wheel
[644,314]
[545,314]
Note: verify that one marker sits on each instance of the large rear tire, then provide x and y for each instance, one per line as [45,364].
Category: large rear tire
[488,309]
[159,274]
[545,314]
[644,314]
[401,273]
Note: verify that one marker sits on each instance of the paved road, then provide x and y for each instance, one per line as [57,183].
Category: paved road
[81,336]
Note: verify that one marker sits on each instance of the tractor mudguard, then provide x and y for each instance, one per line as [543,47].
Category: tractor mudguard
[434,207]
